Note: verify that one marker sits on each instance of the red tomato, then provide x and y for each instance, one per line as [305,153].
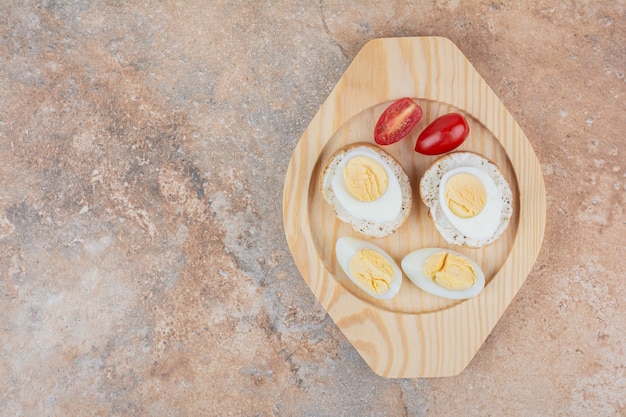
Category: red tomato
[442,135]
[397,121]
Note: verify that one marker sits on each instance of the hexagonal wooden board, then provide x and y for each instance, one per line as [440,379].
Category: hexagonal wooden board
[415,334]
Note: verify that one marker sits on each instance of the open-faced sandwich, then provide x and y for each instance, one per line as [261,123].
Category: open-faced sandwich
[470,200]
[368,189]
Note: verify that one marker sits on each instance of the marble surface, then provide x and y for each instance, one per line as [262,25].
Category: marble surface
[144,268]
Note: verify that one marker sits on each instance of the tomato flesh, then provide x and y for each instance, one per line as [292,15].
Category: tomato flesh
[397,121]
[443,135]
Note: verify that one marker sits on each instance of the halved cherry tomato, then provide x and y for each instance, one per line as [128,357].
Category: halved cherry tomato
[397,121]
[442,135]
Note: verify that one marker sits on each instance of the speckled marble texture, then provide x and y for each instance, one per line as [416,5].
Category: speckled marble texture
[144,269]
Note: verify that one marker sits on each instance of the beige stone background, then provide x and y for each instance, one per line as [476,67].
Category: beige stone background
[144,268]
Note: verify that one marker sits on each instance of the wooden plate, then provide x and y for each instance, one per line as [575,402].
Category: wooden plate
[415,334]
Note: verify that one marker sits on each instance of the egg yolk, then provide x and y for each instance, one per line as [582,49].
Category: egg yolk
[372,270]
[450,271]
[465,195]
[365,178]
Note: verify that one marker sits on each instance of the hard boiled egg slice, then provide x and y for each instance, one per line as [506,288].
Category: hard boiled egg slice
[444,273]
[369,267]
[366,187]
[471,201]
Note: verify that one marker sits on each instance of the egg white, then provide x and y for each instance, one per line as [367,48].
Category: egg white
[486,222]
[413,266]
[383,209]
[347,247]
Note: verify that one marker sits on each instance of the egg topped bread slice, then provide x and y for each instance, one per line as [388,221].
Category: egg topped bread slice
[368,189]
[470,200]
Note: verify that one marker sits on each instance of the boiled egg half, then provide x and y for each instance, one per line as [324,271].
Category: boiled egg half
[444,273]
[369,267]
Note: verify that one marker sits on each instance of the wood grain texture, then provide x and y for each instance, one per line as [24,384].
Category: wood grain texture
[415,334]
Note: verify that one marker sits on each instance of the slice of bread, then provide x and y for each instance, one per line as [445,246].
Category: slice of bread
[429,192]
[364,227]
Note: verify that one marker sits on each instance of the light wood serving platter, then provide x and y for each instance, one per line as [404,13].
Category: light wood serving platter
[415,334]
